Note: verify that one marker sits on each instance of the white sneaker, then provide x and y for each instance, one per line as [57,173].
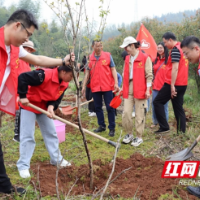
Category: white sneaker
[133,114]
[136,141]
[89,113]
[92,114]
[65,163]
[128,138]
[24,173]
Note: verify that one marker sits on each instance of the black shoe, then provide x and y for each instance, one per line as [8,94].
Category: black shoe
[16,138]
[100,129]
[112,133]
[160,130]
[19,190]
[194,190]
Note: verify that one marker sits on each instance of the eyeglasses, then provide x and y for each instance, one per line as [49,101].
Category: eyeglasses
[28,33]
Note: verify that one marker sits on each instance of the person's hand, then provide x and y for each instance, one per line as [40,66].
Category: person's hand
[147,93]
[199,71]
[50,110]
[173,91]
[24,101]
[67,58]
[116,88]
[83,91]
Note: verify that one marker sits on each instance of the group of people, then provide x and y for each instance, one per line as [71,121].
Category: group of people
[166,78]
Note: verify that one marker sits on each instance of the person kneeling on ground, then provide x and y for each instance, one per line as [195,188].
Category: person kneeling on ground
[45,89]
[136,89]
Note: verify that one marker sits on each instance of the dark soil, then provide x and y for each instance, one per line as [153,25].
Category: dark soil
[144,176]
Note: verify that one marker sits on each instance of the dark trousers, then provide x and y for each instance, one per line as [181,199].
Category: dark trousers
[5,184]
[17,123]
[88,96]
[108,96]
[164,95]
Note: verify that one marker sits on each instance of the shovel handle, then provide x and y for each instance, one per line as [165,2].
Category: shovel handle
[74,125]
[198,139]
[87,102]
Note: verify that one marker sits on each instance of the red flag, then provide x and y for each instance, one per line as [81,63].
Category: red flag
[147,42]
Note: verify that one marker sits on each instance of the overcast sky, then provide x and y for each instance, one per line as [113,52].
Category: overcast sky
[123,11]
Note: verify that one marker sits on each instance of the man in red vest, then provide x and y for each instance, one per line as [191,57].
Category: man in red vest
[19,27]
[103,82]
[23,67]
[137,82]
[191,49]
[175,85]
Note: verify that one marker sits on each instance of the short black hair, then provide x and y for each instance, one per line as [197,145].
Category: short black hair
[24,16]
[189,41]
[124,54]
[169,35]
[65,68]
[93,42]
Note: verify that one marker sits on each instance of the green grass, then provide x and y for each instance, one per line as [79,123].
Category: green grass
[73,148]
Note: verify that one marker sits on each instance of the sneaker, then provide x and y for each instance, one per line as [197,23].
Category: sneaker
[89,113]
[112,133]
[194,190]
[161,131]
[16,138]
[133,114]
[24,173]
[19,190]
[128,138]
[64,163]
[136,141]
[92,114]
[100,129]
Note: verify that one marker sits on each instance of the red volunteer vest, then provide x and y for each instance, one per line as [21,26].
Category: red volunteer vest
[139,80]
[159,79]
[182,76]
[8,96]
[49,90]
[23,67]
[101,78]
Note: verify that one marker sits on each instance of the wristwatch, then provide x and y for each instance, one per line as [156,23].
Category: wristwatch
[63,62]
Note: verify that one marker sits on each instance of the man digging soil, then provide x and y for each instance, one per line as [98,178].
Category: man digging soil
[191,49]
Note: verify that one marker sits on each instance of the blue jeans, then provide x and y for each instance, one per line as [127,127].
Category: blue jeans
[27,139]
[155,121]
[108,96]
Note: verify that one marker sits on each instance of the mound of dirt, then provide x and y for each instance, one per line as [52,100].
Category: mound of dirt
[143,177]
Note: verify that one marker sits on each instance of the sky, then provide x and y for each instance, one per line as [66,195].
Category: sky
[124,11]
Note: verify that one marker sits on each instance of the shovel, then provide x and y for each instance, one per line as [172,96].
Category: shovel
[74,125]
[185,154]
[67,110]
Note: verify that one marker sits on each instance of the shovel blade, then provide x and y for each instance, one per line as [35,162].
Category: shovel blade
[66,110]
[182,157]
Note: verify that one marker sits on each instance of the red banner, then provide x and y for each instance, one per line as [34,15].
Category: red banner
[148,44]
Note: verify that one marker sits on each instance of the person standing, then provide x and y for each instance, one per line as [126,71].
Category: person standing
[103,82]
[19,27]
[159,69]
[175,85]
[136,89]
[191,49]
[23,67]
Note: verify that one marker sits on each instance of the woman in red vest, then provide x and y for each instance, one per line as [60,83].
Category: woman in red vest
[159,69]
[136,89]
[45,89]
[23,67]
